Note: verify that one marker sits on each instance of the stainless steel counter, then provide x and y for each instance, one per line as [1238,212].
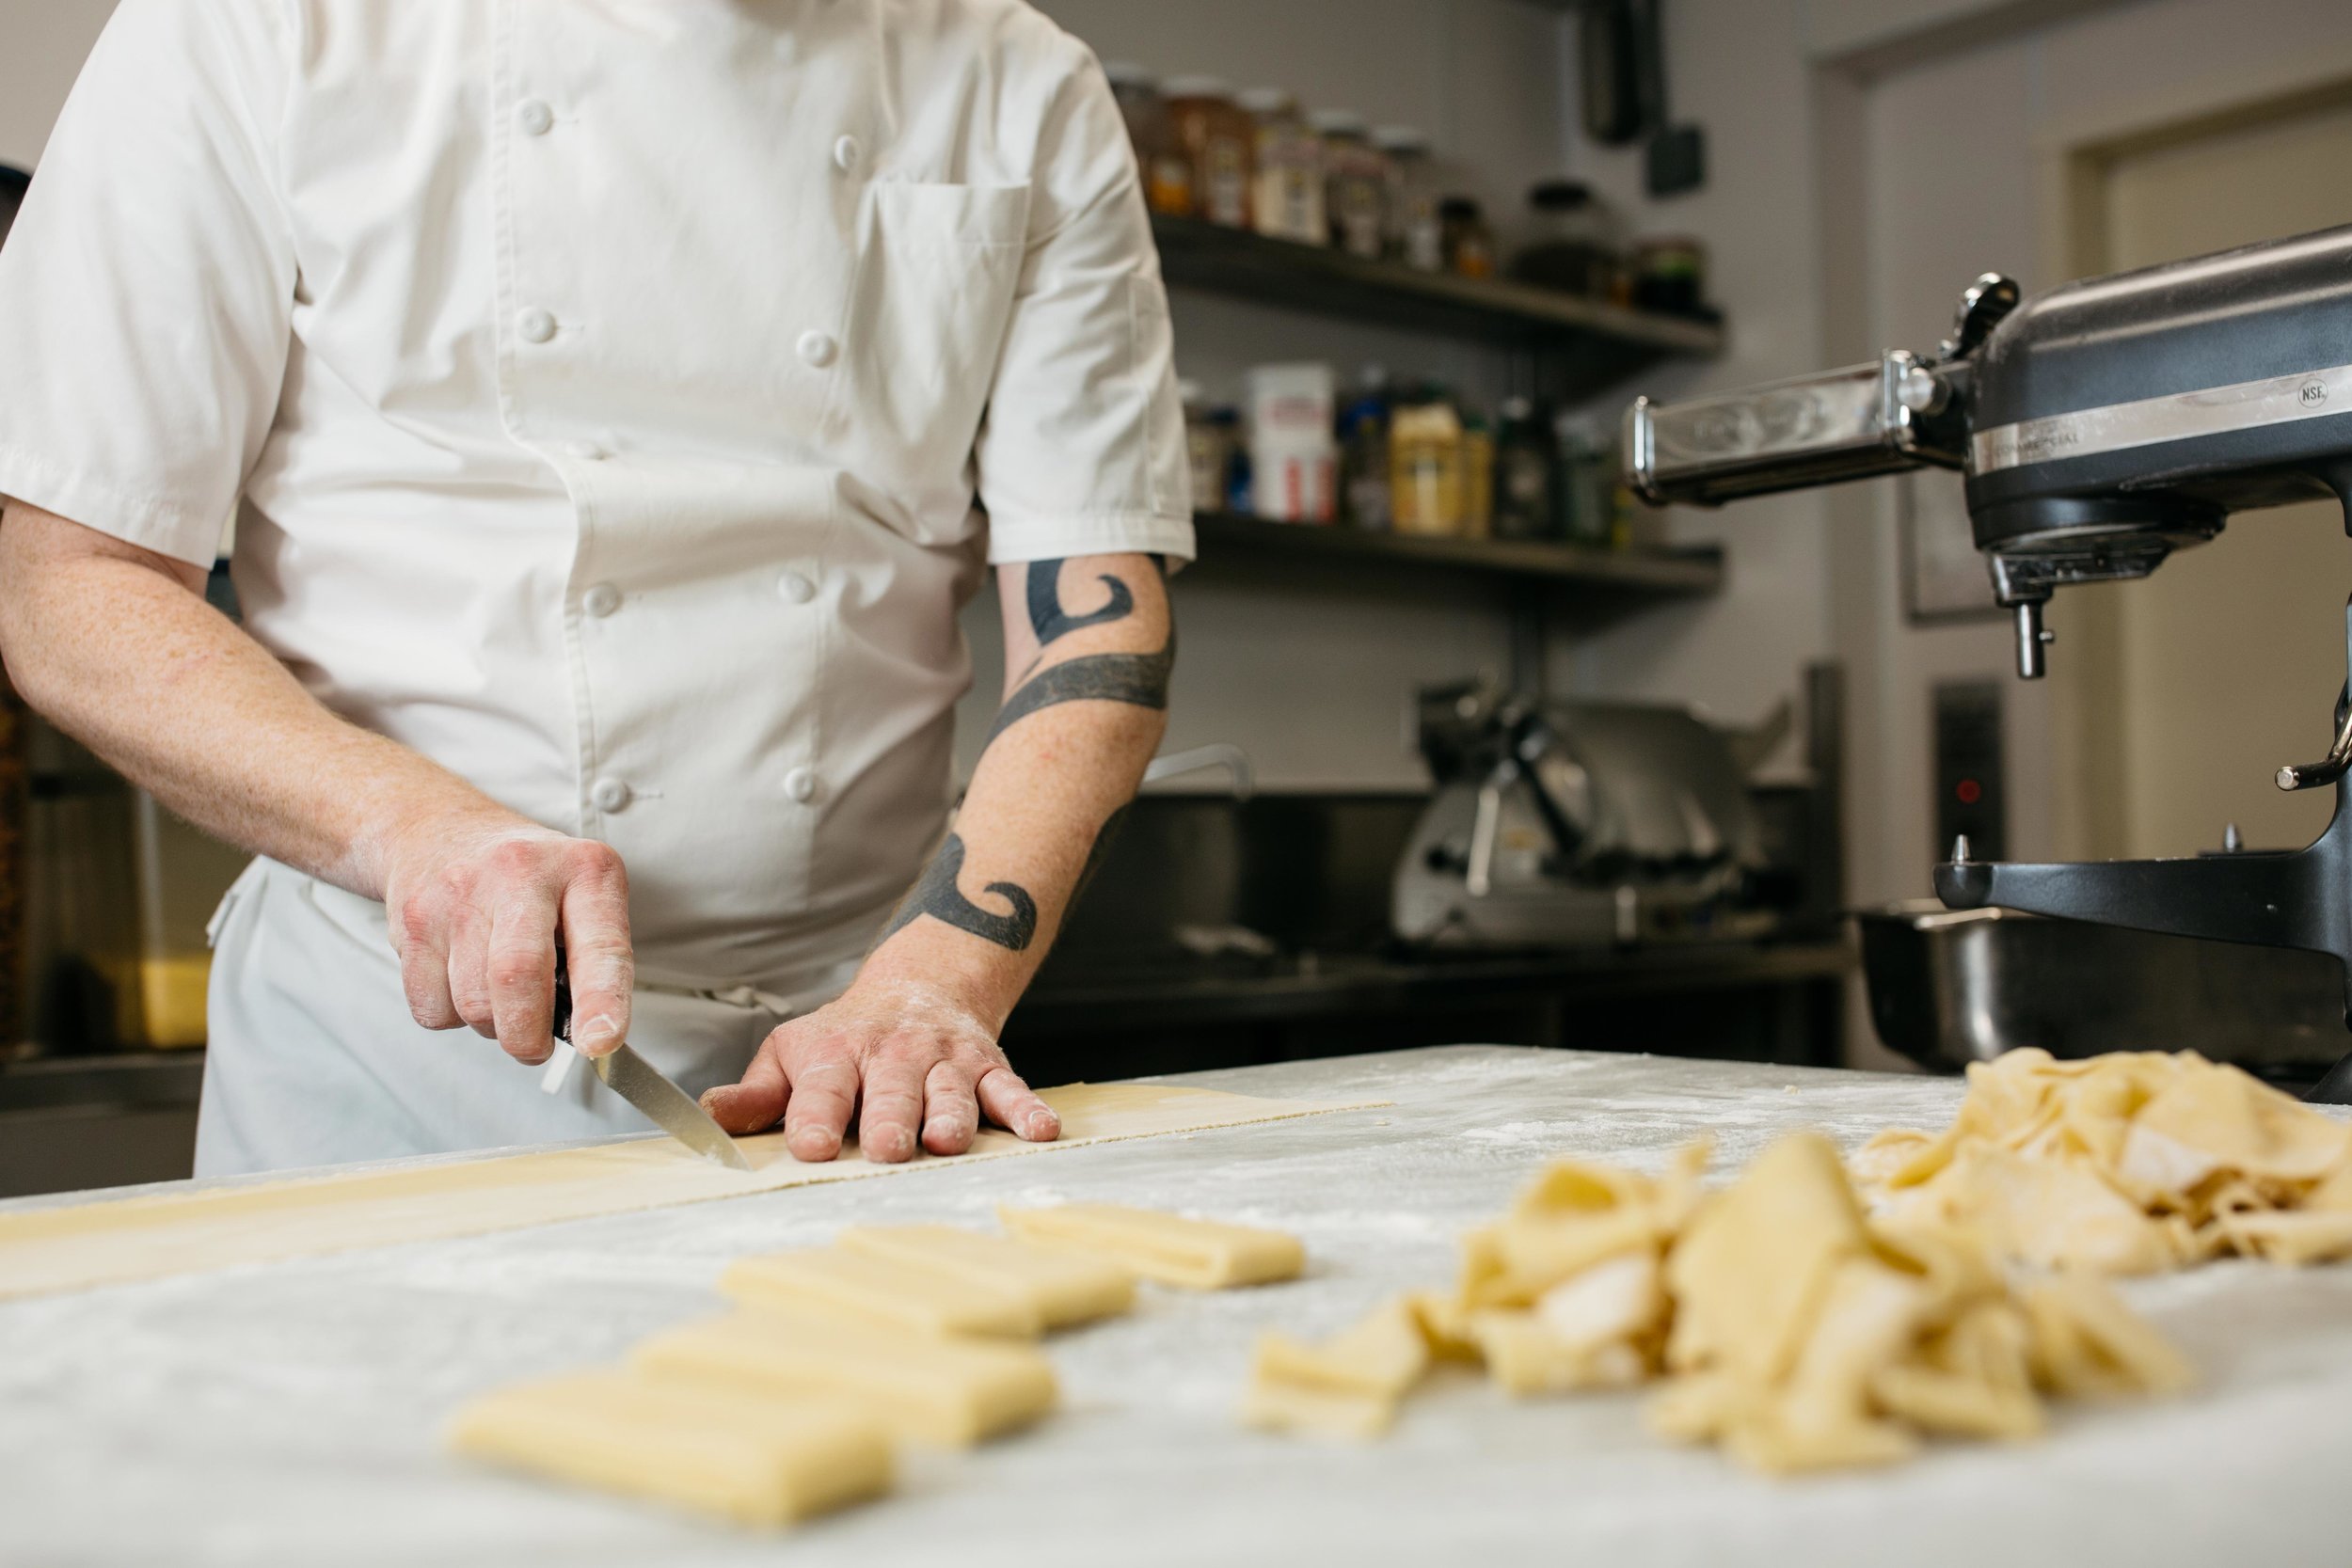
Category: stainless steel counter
[290,1414]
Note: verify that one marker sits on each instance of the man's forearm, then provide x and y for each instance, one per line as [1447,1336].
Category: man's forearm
[1085,710]
[118,649]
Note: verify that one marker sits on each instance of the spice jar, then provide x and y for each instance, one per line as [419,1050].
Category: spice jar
[1355,183]
[1415,234]
[1218,140]
[1425,487]
[1167,170]
[1469,245]
[1286,199]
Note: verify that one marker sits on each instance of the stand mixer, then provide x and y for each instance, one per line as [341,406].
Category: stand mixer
[2102,426]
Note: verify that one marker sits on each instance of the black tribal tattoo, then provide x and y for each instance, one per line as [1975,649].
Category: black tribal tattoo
[938,896]
[1137,679]
[1048,618]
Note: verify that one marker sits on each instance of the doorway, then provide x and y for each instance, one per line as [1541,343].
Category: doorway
[2187,690]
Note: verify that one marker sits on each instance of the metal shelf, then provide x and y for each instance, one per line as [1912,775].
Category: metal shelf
[1599,342]
[1639,573]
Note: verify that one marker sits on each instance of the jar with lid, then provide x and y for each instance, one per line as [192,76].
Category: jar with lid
[1670,275]
[1211,434]
[1526,461]
[1218,140]
[1585,489]
[1575,248]
[1478,477]
[1365,474]
[1415,234]
[1469,245]
[1286,199]
[1167,170]
[1425,466]
[1355,182]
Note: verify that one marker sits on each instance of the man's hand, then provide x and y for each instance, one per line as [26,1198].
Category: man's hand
[910,1061]
[476,903]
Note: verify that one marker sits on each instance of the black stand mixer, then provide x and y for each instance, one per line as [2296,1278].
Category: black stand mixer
[2102,426]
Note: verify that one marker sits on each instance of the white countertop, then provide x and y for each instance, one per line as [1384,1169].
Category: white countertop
[290,1414]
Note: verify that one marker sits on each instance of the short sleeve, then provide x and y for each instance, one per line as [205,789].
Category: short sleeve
[1083,449]
[146,288]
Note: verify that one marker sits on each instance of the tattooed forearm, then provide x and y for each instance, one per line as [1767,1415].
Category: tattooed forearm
[1049,621]
[938,896]
[1139,680]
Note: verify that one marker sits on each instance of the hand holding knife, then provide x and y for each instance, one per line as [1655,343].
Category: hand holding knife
[640,1083]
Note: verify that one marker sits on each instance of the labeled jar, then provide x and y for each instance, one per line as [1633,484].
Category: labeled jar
[1426,469]
[1164,166]
[1355,183]
[1415,236]
[1527,460]
[1469,244]
[1219,141]
[1286,197]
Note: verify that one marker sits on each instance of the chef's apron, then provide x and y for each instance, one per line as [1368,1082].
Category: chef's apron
[314,1060]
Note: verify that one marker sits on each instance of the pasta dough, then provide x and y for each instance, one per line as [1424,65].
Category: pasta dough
[1201,1254]
[884,1291]
[1791,1328]
[755,1460]
[2125,1163]
[1346,1388]
[1064,1287]
[951,1391]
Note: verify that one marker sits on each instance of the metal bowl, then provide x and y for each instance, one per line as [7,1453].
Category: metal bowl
[1950,987]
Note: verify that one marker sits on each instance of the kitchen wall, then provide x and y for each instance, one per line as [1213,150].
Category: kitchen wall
[1310,671]
[42,43]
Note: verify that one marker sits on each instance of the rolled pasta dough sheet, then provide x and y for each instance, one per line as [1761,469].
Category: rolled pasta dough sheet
[753,1459]
[954,1391]
[1065,1288]
[1200,1254]
[882,1291]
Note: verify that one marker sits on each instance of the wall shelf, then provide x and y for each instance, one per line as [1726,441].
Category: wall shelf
[1635,574]
[1596,343]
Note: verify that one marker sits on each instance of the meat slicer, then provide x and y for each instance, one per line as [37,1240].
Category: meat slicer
[2102,426]
[1578,825]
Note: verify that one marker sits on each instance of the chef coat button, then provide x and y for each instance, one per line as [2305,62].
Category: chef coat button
[846,154]
[601,601]
[536,326]
[535,117]
[801,783]
[586,451]
[795,588]
[609,795]
[818,348]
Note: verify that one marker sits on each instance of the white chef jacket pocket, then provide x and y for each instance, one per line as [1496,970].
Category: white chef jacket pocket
[934,294]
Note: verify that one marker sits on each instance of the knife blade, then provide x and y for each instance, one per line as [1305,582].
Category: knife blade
[643,1085]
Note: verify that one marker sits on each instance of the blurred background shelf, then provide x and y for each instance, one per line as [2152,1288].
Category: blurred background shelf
[1693,573]
[1595,342]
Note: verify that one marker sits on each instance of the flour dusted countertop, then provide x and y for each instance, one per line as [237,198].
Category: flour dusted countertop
[291,1413]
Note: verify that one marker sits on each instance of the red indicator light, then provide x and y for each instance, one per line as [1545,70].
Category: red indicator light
[1969,792]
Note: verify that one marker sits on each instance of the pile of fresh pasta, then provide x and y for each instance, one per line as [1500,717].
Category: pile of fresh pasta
[1806,1317]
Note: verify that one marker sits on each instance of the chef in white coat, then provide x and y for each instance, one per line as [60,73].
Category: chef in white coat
[602,389]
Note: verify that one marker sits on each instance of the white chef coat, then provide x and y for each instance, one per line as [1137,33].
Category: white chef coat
[602,389]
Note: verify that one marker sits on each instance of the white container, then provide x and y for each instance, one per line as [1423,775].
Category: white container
[1294,481]
[1292,403]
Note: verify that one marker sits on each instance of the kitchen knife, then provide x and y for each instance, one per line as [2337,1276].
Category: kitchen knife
[641,1084]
